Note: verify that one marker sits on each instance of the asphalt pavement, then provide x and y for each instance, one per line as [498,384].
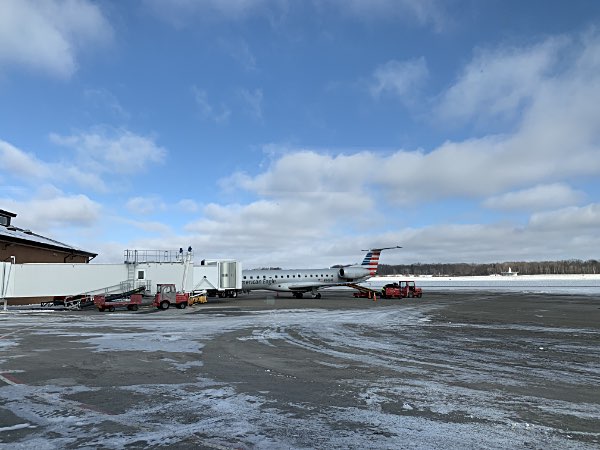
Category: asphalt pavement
[450,370]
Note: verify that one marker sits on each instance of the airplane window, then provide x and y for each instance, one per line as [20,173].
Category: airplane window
[250,277]
[264,277]
[244,277]
[275,276]
[288,276]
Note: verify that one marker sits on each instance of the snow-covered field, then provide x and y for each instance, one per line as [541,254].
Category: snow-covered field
[567,284]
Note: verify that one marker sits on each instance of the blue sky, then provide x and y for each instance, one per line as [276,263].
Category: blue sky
[296,133]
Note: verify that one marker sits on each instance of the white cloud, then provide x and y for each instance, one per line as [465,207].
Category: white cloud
[145,205]
[151,227]
[117,151]
[187,205]
[573,221]
[399,78]
[549,196]
[414,12]
[20,163]
[497,83]
[50,208]
[253,100]
[207,110]
[48,35]
[104,99]
[180,13]
[240,51]
[27,168]
[422,12]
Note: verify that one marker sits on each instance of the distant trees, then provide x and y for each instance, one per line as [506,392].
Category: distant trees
[564,267]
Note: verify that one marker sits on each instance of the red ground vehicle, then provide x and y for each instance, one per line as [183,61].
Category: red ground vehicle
[401,289]
[106,303]
[167,295]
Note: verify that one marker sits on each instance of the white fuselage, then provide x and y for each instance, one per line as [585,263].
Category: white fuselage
[298,280]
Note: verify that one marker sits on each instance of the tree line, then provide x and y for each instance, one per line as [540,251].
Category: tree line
[564,267]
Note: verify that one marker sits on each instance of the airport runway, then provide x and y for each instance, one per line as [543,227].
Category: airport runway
[450,370]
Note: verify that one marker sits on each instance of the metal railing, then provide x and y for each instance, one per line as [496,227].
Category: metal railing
[155,256]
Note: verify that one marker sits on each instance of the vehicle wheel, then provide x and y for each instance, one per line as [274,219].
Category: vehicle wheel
[182,305]
[101,309]
[420,295]
[164,305]
[134,307]
[233,294]
[111,309]
[318,295]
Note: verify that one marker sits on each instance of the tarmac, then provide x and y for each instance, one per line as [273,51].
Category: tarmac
[450,370]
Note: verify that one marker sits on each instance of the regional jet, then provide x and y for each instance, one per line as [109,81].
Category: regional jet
[300,281]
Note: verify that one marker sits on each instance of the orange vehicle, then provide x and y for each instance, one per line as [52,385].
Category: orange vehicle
[110,303]
[167,295]
[401,289]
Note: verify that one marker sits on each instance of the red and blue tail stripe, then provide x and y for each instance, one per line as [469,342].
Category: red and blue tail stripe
[371,261]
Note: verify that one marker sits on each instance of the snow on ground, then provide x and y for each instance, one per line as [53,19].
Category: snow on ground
[430,412]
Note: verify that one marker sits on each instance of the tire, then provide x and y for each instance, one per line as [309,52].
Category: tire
[182,305]
[164,305]
[101,309]
[134,307]
[233,294]
[111,309]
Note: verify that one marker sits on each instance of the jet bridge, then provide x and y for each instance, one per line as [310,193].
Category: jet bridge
[36,282]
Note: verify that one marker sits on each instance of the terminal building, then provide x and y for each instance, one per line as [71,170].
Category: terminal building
[25,246]
[35,269]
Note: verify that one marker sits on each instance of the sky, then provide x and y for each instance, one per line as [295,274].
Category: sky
[299,133]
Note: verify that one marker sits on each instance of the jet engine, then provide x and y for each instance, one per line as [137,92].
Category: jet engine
[352,273]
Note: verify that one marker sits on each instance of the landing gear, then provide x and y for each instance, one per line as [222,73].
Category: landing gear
[298,294]
[316,295]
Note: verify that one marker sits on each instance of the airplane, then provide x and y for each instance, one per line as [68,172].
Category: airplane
[301,281]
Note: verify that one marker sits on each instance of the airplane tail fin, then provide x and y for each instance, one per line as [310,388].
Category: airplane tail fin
[371,259]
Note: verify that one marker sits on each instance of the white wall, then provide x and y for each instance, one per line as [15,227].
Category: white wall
[42,280]
[208,276]
[58,279]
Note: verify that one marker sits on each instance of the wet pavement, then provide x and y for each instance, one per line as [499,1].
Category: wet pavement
[450,370]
